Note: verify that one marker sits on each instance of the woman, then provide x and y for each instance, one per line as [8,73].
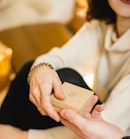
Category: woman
[96,48]
[100,47]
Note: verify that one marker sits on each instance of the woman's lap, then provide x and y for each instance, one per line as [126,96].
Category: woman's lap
[18,111]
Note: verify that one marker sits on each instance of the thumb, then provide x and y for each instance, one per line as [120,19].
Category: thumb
[67,114]
[73,117]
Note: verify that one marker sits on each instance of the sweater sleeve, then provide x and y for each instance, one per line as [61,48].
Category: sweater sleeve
[117,107]
[75,53]
[52,133]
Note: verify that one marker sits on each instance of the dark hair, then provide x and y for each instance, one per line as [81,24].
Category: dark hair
[100,9]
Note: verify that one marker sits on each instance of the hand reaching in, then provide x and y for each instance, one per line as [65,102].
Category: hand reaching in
[91,125]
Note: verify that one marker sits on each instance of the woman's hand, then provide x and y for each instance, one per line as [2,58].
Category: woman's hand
[43,81]
[10,132]
[91,126]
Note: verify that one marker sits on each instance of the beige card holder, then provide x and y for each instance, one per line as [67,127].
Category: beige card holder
[76,98]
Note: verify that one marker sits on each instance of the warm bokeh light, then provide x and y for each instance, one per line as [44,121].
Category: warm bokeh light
[5,65]
[82,3]
[81,8]
[89,79]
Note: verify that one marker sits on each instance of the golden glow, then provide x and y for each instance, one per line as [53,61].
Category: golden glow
[89,79]
[82,3]
[81,8]
[5,65]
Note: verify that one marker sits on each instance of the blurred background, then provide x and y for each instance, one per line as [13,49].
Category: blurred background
[29,28]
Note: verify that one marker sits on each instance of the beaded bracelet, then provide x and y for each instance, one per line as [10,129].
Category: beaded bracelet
[35,68]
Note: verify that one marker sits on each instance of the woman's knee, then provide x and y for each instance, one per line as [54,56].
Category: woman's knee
[72,76]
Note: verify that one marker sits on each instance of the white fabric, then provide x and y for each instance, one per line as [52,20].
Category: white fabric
[52,133]
[91,50]
[14,13]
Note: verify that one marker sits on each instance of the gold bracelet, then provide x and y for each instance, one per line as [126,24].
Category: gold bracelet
[35,68]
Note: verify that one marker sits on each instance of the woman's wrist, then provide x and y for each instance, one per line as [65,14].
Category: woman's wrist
[33,69]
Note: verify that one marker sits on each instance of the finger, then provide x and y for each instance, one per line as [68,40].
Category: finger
[34,96]
[96,113]
[90,107]
[73,118]
[43,112]
[37,104]
[58,89]
[31,98]
[46,102]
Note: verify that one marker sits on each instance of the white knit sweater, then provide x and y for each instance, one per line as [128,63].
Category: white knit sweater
[91,51]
